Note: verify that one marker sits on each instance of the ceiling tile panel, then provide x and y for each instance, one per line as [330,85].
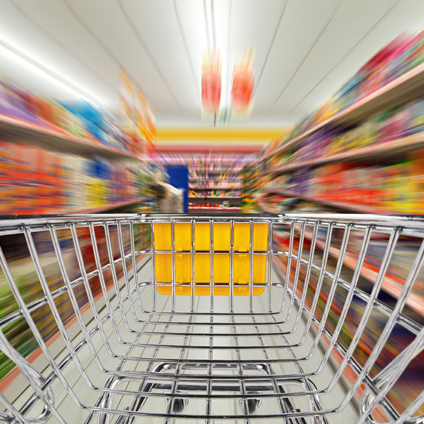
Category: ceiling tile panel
[29,38]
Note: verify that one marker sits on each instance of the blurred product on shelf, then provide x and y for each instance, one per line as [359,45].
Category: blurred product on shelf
[214,179]
[398,187]
[368,163]
[79,118]
[215,163]
[250,189]
[211,185]
[398,57]
[173,201]
[156,190]
[208,207]
[394,124]
[34,181]
[90,165]
[216,193]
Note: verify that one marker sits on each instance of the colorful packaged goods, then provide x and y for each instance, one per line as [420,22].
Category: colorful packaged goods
[400,56]
[78,118]
[34,181]
[396,187]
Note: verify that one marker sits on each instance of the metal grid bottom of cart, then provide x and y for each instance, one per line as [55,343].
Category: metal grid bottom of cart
[142,356]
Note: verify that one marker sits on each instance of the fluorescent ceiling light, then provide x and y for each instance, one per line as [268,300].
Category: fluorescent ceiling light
[31,65]
[209,25]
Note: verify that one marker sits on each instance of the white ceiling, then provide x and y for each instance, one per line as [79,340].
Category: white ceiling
[303,49]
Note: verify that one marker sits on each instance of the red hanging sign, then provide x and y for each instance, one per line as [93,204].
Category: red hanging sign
[243,83]
[211,83]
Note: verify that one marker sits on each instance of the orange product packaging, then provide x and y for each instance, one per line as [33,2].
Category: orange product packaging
[390,193]
[415,171]
[30,159]
[358,192]
[19,178]
[336,180]
[7,197]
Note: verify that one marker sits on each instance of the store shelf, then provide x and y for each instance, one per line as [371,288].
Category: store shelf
[213,197]
[341,205]
[403,89]
[16,130]
[216,188]
[215,180]
[378,151]
[110,207]
[233,209]
[226,171]
[87,211]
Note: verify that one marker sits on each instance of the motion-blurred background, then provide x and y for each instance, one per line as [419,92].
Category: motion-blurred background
[216,105]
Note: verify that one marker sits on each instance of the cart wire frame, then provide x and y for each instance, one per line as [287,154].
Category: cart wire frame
[182,379]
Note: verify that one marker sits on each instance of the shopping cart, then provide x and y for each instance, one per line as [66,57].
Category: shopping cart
[209,320]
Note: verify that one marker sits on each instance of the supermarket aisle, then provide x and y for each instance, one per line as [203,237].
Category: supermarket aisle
[273,106]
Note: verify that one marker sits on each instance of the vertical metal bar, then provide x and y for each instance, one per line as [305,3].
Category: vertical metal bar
[333,288]
[319,283]
[89,295]
[114,276]
[125,270]
[269,263]
[87,287]
[307,276]
[232,267]
[178,369]
[56,315]
[296,276]
[152,241]
[370,304]
[135,270]
[243,391]
[211,257]
[101,277]
[173,264]
[210,371]
[72,296]
[192,267]
[289,257]
[349,297]
[251,268]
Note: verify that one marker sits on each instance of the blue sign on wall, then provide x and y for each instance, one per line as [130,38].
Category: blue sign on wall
[178,178]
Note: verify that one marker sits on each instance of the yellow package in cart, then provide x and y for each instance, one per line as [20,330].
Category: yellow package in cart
[228,250]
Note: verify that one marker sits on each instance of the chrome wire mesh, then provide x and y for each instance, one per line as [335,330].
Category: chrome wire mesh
[284,355]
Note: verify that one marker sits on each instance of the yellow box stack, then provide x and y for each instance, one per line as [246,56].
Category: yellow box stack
[221,247]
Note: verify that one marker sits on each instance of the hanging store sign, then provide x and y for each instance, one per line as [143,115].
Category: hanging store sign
[211,82]
[243,84]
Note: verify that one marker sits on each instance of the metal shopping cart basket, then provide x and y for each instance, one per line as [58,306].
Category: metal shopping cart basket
[241,318]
